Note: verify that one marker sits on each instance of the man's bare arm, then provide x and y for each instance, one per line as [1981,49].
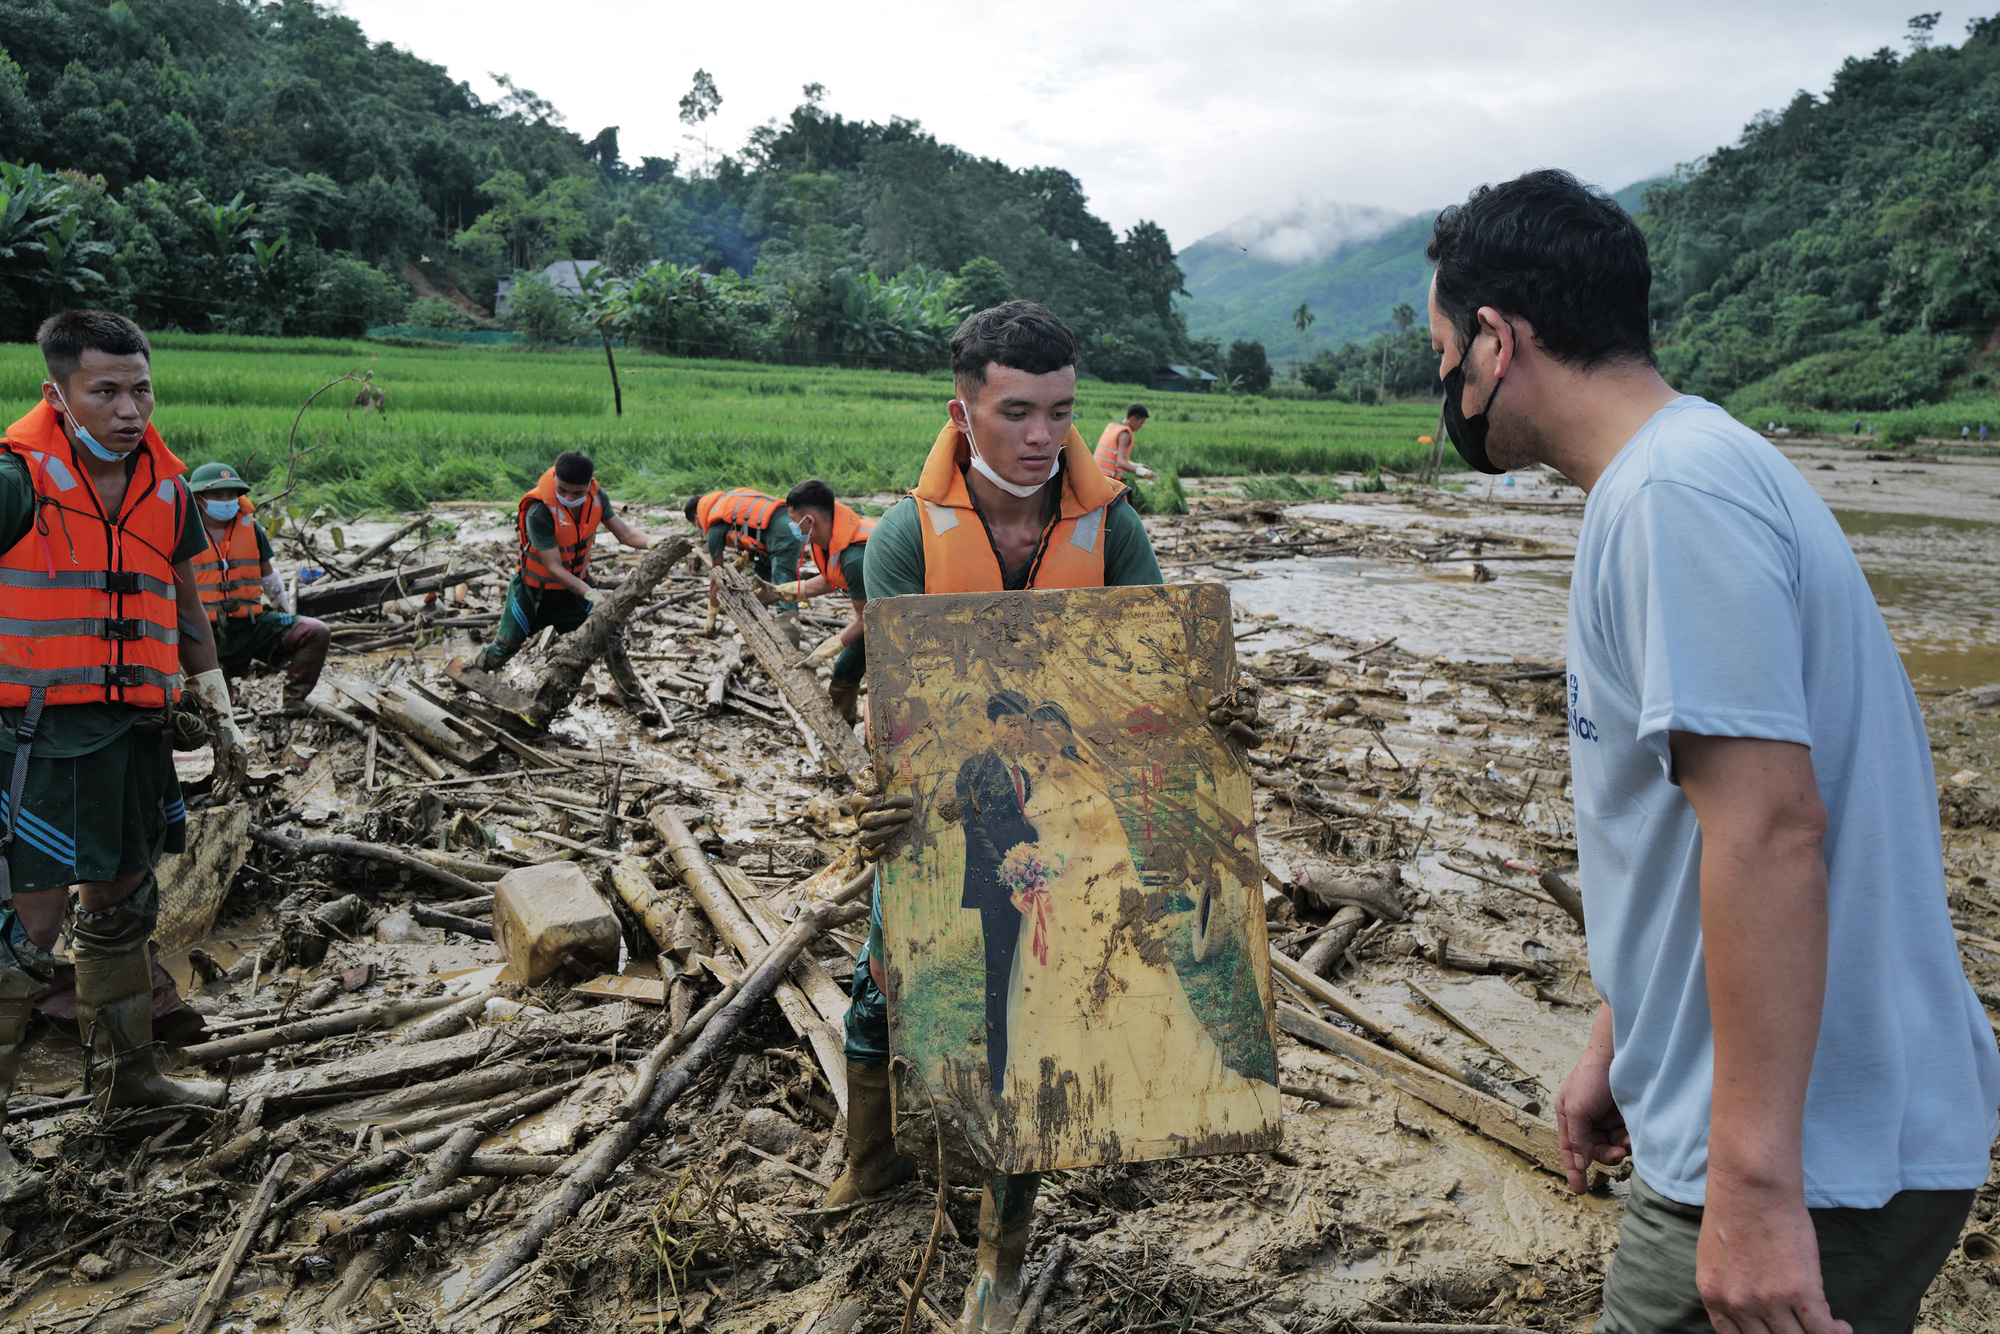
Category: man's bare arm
[1764,942]
[626,533]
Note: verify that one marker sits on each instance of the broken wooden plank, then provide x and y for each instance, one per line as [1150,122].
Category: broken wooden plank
[1529,1136]
[510,699]
[328,597]
[740,934]
[1319,989]
[619,986]
[775,654]
[819,986]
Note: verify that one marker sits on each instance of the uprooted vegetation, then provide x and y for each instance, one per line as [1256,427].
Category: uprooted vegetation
[407,1111]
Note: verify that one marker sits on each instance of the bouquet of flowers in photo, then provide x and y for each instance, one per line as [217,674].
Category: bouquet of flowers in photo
[1025,872]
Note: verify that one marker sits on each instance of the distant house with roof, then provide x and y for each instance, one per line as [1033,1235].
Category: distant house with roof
[565,275]
[1183,379]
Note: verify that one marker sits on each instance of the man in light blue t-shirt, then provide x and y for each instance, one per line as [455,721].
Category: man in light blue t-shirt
[1788,1049]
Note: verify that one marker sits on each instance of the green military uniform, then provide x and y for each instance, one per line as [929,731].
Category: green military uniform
[530,610]
[852,663]
[783,551]
[241,640]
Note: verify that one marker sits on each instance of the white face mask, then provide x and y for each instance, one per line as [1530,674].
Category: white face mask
[569,504]
[986,469]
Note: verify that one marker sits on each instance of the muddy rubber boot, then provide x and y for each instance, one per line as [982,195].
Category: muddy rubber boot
[1006,1217]
[842,694]
[18,1182]
[306,645]
[873,1162]
[114,1008]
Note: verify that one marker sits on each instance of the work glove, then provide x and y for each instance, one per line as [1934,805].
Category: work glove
[273,585]
[881,817]
[766,591]
[1235,715]
[232,758]
[1141,470]
[828,650]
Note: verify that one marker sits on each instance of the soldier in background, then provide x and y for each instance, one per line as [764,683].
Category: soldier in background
[243,594]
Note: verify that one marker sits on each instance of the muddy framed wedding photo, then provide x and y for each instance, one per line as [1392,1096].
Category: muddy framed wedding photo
[1074,928]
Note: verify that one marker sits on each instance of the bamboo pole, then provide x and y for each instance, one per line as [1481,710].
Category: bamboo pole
[616,1145]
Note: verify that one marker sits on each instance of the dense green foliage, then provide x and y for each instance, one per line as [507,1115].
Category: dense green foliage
[1842,254]
[1386,367]
[468,423]
[230,166]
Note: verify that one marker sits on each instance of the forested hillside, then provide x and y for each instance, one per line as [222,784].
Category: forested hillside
[1842,254]
[1235,293]
[216,165]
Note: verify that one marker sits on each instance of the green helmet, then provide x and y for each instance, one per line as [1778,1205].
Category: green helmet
[216,477]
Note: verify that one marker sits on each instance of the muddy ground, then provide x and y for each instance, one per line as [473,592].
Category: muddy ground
[1410,646]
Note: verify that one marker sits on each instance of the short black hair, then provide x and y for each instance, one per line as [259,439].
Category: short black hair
[1007,703]
[1024,335]
[574,467]
[1137,410]
[1556,252]
[694,504]
[811,494]
[66,337]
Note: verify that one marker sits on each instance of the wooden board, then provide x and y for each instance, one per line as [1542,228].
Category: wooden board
[1531,1137]
[1074,923]
[775,654]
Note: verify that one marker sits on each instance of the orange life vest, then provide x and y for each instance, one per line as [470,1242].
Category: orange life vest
[747,512]
[848,529]
[231,574]
[958,553]
[90,613]
[1107,449]
[576,529]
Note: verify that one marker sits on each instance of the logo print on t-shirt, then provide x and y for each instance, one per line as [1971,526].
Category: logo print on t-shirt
[1578,724]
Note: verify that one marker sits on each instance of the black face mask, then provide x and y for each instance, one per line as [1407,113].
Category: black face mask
[1468,434]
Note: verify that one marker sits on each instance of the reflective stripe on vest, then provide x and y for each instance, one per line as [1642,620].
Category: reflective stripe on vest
[849,529]
[958,553]
[91,613]
[231,577]
[575,530]
[1107,450]
[747,512]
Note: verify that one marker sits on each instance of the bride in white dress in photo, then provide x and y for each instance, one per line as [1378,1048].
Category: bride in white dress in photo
[1103,1044]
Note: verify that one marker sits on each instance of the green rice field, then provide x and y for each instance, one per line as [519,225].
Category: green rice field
[469,423]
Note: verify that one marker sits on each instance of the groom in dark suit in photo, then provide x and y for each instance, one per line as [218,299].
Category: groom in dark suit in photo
[993,791]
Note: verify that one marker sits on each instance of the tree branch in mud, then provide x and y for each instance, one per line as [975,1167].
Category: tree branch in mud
[349,847]
[617,1145]
[777,657]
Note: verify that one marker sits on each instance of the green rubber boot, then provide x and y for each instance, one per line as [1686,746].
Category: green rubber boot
[18,1181]
[1006,1217]
[873,1162]
[114,1007]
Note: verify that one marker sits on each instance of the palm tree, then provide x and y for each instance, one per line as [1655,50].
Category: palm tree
[1402,317]
[1303,317]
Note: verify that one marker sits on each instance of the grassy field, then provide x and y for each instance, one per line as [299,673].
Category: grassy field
[482,424]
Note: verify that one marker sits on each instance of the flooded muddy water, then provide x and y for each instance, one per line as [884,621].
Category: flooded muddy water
[1928,539]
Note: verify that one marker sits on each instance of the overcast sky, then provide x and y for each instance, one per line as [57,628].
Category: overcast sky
[1191,114]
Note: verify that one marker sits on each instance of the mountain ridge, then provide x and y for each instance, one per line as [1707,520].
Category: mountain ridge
[1240,284]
